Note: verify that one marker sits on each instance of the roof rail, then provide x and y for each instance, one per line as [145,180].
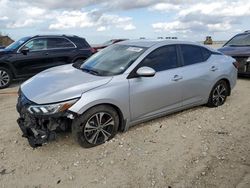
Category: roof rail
[70,35]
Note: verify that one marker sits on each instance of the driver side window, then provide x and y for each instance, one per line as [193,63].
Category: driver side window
[36,44]
[161,59]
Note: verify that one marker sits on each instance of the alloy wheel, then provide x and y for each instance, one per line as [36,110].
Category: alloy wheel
[219,95]
[99,128]
[4,78]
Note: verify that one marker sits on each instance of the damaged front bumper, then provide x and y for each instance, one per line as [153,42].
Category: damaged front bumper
[40,129]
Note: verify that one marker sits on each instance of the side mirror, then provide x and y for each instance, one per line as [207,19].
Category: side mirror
[145,72]
[25,50]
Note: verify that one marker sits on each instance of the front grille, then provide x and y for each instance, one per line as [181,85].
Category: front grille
[244,66]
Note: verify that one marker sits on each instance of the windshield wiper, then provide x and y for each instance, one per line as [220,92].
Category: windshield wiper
[94,72]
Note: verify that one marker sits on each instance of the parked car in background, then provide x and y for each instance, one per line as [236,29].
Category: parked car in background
[2,47]
[31,55]
[107,43]
[120,86]
[239,48]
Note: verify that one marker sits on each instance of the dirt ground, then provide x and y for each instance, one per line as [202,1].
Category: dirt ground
[200,147]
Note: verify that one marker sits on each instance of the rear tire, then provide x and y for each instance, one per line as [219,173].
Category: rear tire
[96,126]
[5,77]
[218,94]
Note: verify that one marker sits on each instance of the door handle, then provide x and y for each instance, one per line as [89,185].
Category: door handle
[46,53]
[213,68]
[177,78]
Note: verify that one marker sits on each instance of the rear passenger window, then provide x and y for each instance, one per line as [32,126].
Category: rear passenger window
[191,54]
[206,53]
[59,43]
[162,58]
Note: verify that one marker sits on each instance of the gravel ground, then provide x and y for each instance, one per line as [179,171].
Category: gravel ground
[200,147]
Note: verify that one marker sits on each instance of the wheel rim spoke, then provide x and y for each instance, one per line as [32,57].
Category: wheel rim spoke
[4,78]
[105,134]
[223,89]
[89,128]
[99,118]
[98,128]
[219,95]
[94,137]
[110,121]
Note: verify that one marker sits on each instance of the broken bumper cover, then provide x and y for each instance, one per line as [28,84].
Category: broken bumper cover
[40,129]
[36,137]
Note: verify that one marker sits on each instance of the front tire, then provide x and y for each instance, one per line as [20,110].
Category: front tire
[218,94]
[5,78]
[96,126]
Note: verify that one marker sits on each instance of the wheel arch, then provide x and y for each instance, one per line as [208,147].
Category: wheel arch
[5,65]
[228,84]
[122,121]
[224,78]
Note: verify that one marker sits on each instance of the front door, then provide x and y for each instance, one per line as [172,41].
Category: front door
[154,95]
[34,60]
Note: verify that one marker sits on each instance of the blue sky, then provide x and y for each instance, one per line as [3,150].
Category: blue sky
[100,20]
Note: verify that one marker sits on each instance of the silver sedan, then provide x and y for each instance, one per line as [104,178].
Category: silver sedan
[120,86]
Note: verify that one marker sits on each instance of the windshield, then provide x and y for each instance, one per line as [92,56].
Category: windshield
[239,40]
[113,60]
[16,44]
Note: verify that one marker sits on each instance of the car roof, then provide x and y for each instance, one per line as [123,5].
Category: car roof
[54,36]
[149,43]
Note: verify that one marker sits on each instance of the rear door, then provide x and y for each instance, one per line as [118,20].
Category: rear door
[60,51]
[153,95]
[197,74]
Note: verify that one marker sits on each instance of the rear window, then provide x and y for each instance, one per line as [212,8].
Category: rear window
[239,40]
[54,43]
[206,53]
[192,54]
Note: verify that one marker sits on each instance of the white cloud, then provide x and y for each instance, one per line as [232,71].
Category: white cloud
[182,16]
[207,16]
[20,14]
[101,28]
[219,27]
[94,18]
[164,7]
[129,27]
[4,18]
[23,23]
[177,26]
[72,19]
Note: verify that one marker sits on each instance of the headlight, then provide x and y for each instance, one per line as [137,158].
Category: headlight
[51,108]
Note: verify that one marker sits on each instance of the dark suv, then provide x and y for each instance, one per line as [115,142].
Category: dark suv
[239,48]
[30,55]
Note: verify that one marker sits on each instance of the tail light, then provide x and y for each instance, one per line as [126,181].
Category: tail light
[93,50]
[236,64]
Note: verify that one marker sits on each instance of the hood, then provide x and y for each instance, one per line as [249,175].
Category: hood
[235,51]
[59,84]
[5,51]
